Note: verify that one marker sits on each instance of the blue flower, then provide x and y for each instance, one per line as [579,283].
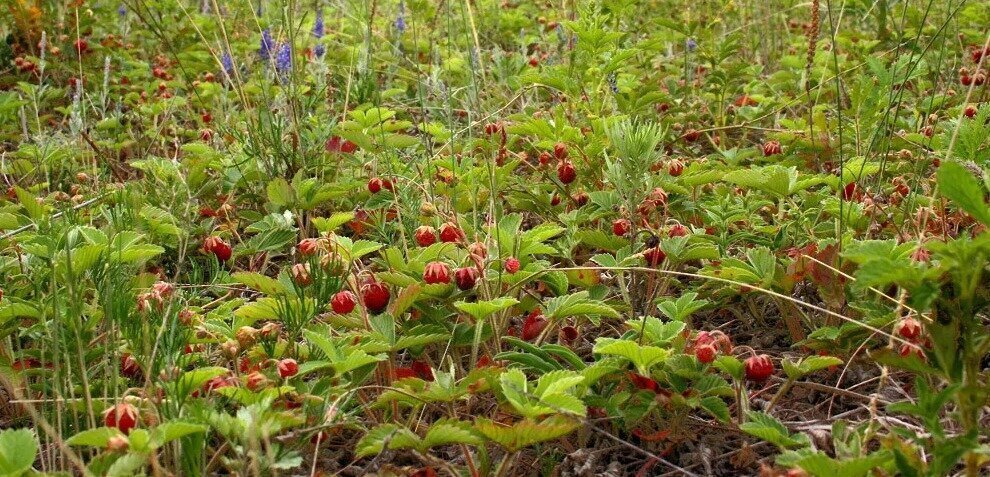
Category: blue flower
[691,44]
[400,20]
[267,45]
[283,59]
[227,62]
[319,51]
[319,28]
[122,10]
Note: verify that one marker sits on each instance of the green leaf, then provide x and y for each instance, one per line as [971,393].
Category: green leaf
[172,430]
[18,449]
[716,407]
[259,282]
[526,432]
[958,184]
[643,357]
[764,426]
[96,437]
[483,309]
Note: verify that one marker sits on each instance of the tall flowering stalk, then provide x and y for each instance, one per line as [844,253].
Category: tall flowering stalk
[319,29]
[267,45]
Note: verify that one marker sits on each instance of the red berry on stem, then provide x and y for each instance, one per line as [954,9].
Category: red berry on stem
[772,148]
[512,265]
[426,236]
[566,172]
[436,273]
[466,277]
[909,329]
[655,256]
[758,368]
[621,227]
[375,296]
[287,368]
[218,247]
[343,302]
[308,246]
[122,416]
[705,353]
[450,232]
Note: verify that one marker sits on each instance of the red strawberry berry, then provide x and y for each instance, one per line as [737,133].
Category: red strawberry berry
[375,296]
[560,151]
[436,273]
[675,168]
[909,329]
[691,135]
[771,148]
[375,185]
[256,381]
[758,368]
[426,236]
[545,158]
[655,256]
[970,111]
[511,265]
[287,368]
[343,302]
[308,246]
[82,46]
[450,233]
[705,353]
[621,227]
[566,172]
[909,349]
[677,230]
[466,277]
[533,326]
[218,247]
[122,416]
[129,367]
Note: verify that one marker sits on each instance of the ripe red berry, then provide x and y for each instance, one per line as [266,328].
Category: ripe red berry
[466,277]
[206,117]
[909,329]
[256,381]
[677,230]
[450,232]
[436,273]
[772,148]
[545,158]
[758,368]
[580,198]
[218,247]
[287,368]
[691,135]
[566,172]
[511,265]
[555,200]
[970,111]
[655,256]
[705,353]
[560,151]
[534,325]
[82,46]
[675,168]
[308,246]
[122,416]
[375,185]
[343,302]
[129,367]
[375,296]
[621,227]
[966,80]
[426,236]
[534,62]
